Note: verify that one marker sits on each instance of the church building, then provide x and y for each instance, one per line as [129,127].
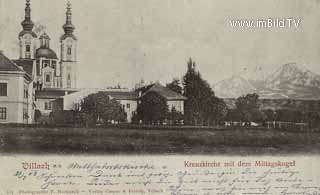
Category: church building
[46,77]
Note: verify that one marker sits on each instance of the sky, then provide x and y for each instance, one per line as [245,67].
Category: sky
[124,41]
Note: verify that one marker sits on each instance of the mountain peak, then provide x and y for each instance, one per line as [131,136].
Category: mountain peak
[294,75]
[233,87]
[293,67]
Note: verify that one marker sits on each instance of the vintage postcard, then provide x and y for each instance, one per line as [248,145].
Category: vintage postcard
[157,97]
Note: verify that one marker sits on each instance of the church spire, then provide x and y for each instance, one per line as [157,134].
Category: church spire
[68,26]
[27,24]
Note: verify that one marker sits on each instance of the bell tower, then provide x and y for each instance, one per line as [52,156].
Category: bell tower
[27,38]
[68,52]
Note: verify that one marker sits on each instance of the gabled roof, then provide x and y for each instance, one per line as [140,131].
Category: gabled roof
[6,65]
[26,64]
[123,95]
[163,91]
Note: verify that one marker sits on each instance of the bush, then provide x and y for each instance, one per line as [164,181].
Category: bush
[67,117]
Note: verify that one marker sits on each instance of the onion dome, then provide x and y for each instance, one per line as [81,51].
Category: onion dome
[46,53]
[27,23]
[68,27]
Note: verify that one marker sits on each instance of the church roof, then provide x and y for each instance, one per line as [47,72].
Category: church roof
[63,37]
[165,92]
[33,34]
[6,65]
[26,64]
[48,53]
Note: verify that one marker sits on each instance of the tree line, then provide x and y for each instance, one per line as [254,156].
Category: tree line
[202,107]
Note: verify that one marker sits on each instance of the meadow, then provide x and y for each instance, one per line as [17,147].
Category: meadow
[121,140]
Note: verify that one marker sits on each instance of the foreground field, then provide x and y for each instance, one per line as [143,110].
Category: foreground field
[156,141]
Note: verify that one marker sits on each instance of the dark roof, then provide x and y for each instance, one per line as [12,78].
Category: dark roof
[123,95]
[28,32]
[164,92]
[26,64]
[63,37]
[52,93]
[46,53]
[7,65]
[144,88]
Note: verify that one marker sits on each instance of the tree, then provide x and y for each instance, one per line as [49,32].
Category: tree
[37,115]
[248,107]
[233,115]
[313,118]
[175,116]
[152,108]
[175,86]
[270,115]
[198,93]
[100,107]
[215,110]
[289,115]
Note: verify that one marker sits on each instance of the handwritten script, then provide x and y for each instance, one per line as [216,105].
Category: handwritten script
[186,178]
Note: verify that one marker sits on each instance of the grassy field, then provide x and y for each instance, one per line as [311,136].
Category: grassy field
[110,140]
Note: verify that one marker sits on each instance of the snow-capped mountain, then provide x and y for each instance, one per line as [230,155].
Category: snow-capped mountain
[233,87]
[293,75]
[289,81]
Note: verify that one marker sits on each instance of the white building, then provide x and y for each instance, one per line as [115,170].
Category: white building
[16,93]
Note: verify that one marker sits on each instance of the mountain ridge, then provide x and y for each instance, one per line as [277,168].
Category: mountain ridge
[289,81]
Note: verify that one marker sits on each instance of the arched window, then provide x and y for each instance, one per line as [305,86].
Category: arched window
[48,79]
[28,49]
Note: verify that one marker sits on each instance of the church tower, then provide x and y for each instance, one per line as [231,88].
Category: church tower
[27,38]
[68,52]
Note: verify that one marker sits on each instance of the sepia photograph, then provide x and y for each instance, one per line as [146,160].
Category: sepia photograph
[159,77]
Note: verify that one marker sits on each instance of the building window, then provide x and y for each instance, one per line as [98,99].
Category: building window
[48,105]
[25,92]
[54,64]
[25,114]
[38,68]
[45,63]
[128,106]
[69,51]
[3,113]
[48,79]
[28,48]
[28,55]
[3,89]
[69,77]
